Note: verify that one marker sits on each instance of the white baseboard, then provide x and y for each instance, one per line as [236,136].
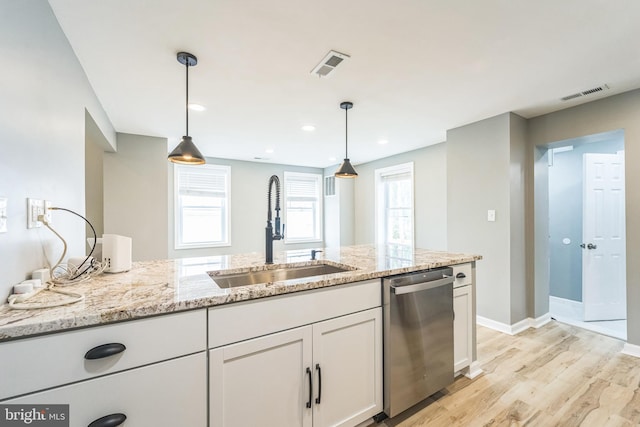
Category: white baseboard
[516,328]
[474,370]
[631,349]
[562,307]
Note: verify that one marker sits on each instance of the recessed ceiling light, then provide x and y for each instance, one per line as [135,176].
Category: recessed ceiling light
[196,107]
[383,141]
[332,159]
[269,150]
[308,128]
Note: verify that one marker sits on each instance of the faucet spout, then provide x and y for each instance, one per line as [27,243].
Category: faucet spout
[270,236]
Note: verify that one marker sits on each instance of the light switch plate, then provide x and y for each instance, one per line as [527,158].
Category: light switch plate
[491,215]
[3,214]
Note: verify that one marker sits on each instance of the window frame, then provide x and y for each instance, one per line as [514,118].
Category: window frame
[380,198]
[319,179]
[178,214]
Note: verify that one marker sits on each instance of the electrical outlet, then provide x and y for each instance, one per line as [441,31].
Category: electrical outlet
[47,213]
[3,215]
[35,207]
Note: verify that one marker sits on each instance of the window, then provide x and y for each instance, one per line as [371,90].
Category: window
[394,208]
[303,207]
[201,197]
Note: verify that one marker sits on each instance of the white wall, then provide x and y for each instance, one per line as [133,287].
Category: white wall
[43,97]
[430,198]
[339,212]
[249,186]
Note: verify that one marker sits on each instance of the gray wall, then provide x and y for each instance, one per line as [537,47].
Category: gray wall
[616,112]
[43,97]
[565,215]
[136,201]
[430,195]
[249,185]
[486,169]
[93,178]
[518,171]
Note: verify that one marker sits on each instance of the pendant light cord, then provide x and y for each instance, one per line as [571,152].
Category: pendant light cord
[186,107]
[346,131]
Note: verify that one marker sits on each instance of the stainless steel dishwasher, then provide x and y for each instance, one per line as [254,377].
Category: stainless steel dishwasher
[418,337]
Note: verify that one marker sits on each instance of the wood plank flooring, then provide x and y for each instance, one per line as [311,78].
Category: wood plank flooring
[558,375]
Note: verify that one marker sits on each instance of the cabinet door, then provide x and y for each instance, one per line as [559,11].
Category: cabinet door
[347,355]
[171,393]
[462,345]
[262,382]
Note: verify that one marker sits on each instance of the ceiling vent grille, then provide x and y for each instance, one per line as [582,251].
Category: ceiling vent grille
[585,92]
[329,63]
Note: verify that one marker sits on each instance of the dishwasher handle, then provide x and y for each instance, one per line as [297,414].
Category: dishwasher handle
[399,290]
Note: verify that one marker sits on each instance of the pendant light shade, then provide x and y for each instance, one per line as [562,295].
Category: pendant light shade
[346,170]
[186,152]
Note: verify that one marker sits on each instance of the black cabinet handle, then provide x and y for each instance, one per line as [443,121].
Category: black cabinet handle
[105,350]
[460,275]
[111,420]
[319,383]
[310,387]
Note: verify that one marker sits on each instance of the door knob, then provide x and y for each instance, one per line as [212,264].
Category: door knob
[591,246]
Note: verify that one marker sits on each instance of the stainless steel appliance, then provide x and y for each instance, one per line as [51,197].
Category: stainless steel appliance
[418,337]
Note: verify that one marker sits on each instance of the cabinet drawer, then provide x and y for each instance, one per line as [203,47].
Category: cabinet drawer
[241,321]
[171,393]
[463,270]
[34,364]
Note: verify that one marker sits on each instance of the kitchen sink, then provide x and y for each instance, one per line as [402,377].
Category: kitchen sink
[275,275]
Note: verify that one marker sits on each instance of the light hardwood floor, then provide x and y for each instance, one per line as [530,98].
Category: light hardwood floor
[558,375]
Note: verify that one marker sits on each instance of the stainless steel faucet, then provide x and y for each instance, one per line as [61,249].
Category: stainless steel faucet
[270,236]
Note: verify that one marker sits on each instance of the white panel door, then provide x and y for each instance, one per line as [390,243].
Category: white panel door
[262,382]
[347,357]
[603,253]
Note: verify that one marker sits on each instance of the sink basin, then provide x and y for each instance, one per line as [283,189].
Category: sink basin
[276,275]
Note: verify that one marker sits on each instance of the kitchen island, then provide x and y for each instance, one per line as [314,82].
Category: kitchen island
[304,351]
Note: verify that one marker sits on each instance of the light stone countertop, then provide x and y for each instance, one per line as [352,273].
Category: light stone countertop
[166,286]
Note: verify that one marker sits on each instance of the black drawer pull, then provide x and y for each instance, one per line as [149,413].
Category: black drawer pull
[105,350]
[111,420]
[460,276]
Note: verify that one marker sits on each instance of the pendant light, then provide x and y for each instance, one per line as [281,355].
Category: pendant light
[346,170]
[186,152]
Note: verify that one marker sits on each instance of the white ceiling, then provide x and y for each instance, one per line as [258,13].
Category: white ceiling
[417,68]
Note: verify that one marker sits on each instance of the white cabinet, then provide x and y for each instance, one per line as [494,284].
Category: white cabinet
[462,324]
[262,382]
[347,358]
[171,393]
[153,370]
[325,374]
[37,363]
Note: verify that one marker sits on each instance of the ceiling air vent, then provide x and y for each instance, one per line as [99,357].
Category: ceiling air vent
[329,63]
[585,92]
